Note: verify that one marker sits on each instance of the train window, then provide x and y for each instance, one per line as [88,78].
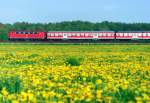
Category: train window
[69,34]
[74,34]
[59,34]
[26,33]
[52,34]
[90,34]
[135,34]
[78,34]
[82,34]
[117,34]
[125,34]
[104,34]
[101,34]
[109,34]
[86,34]
[56,34]
[144,34]
[95,34]
[139,34]
[121,34]
[130,34]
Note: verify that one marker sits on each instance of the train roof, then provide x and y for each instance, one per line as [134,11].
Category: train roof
[25,31]
[80,31]
[131,31]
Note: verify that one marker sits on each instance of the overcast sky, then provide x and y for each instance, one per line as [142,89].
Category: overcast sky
[44,11]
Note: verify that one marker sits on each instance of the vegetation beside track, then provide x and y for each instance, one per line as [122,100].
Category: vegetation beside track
[74,73]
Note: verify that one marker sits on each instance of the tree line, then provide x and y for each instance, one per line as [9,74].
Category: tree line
[72,26]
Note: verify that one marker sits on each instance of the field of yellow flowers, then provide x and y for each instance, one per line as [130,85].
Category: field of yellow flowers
[74,73]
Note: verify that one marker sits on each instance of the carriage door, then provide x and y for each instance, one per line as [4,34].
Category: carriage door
[65,36]
[135,35]
[95,36]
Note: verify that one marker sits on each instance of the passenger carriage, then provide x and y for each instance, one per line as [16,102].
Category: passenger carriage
[80,35]
[129,35]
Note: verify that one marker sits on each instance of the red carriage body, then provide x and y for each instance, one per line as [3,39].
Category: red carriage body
[26,35]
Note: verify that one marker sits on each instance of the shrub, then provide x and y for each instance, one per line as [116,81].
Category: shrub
[72,61]
[12,84]
[124,95]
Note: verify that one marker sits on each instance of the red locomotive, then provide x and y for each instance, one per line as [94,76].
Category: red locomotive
[27,35]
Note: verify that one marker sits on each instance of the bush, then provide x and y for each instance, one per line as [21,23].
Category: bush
[12,84]
[72,61]
[124,95]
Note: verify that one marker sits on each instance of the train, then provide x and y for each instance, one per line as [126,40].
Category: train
[79,35]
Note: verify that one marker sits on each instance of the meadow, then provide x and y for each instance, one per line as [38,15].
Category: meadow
[74,73]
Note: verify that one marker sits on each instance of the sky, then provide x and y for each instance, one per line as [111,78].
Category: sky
[44,11]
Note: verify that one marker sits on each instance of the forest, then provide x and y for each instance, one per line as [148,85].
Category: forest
[72,26]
